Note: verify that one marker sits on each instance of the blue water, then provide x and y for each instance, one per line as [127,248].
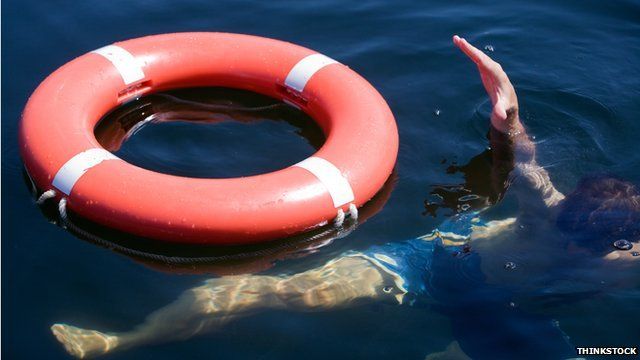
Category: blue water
[575,66]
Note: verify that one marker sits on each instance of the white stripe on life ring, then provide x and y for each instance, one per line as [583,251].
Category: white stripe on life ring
[73,169]
[304,70]
[330,176]
[125,63]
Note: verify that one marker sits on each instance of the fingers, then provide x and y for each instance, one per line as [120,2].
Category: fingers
[471,51]
[477,56]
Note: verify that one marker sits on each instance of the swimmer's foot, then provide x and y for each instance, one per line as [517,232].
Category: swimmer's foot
[83,343]
[504,116]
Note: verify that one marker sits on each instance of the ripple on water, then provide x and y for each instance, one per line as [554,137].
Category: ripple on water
[574,132]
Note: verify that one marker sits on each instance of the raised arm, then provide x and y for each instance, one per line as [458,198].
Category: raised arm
[509,139]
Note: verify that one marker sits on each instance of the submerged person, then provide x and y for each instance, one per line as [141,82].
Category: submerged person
[479,302]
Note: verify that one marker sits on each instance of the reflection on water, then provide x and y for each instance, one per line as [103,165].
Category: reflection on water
[484,184]
[219,133]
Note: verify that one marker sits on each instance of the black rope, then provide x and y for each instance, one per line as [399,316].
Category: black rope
[191,260]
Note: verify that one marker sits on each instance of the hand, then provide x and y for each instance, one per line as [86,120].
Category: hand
[504,116]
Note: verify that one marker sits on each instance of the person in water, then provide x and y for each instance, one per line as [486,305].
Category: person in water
[496,283]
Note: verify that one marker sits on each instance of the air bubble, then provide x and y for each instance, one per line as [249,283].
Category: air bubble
[509,265]
[489,48]
[622,244]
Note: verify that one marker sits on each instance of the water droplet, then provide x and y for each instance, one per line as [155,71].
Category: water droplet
[622,244]
[510,265]
[436,112]
[489,48]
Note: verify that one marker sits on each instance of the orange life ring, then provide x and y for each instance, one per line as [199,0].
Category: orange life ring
[62,155]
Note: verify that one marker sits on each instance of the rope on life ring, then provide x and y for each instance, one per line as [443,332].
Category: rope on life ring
[340,231]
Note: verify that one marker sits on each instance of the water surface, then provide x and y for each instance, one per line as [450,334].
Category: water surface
[575,66]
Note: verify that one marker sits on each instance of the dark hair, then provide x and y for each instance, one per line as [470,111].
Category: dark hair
[602,209]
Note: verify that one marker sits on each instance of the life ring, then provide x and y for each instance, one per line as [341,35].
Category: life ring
[62,155]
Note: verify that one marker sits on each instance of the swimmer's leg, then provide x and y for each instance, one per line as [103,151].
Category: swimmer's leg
[338,283]
[83,343]
[207,306]
[220,300]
